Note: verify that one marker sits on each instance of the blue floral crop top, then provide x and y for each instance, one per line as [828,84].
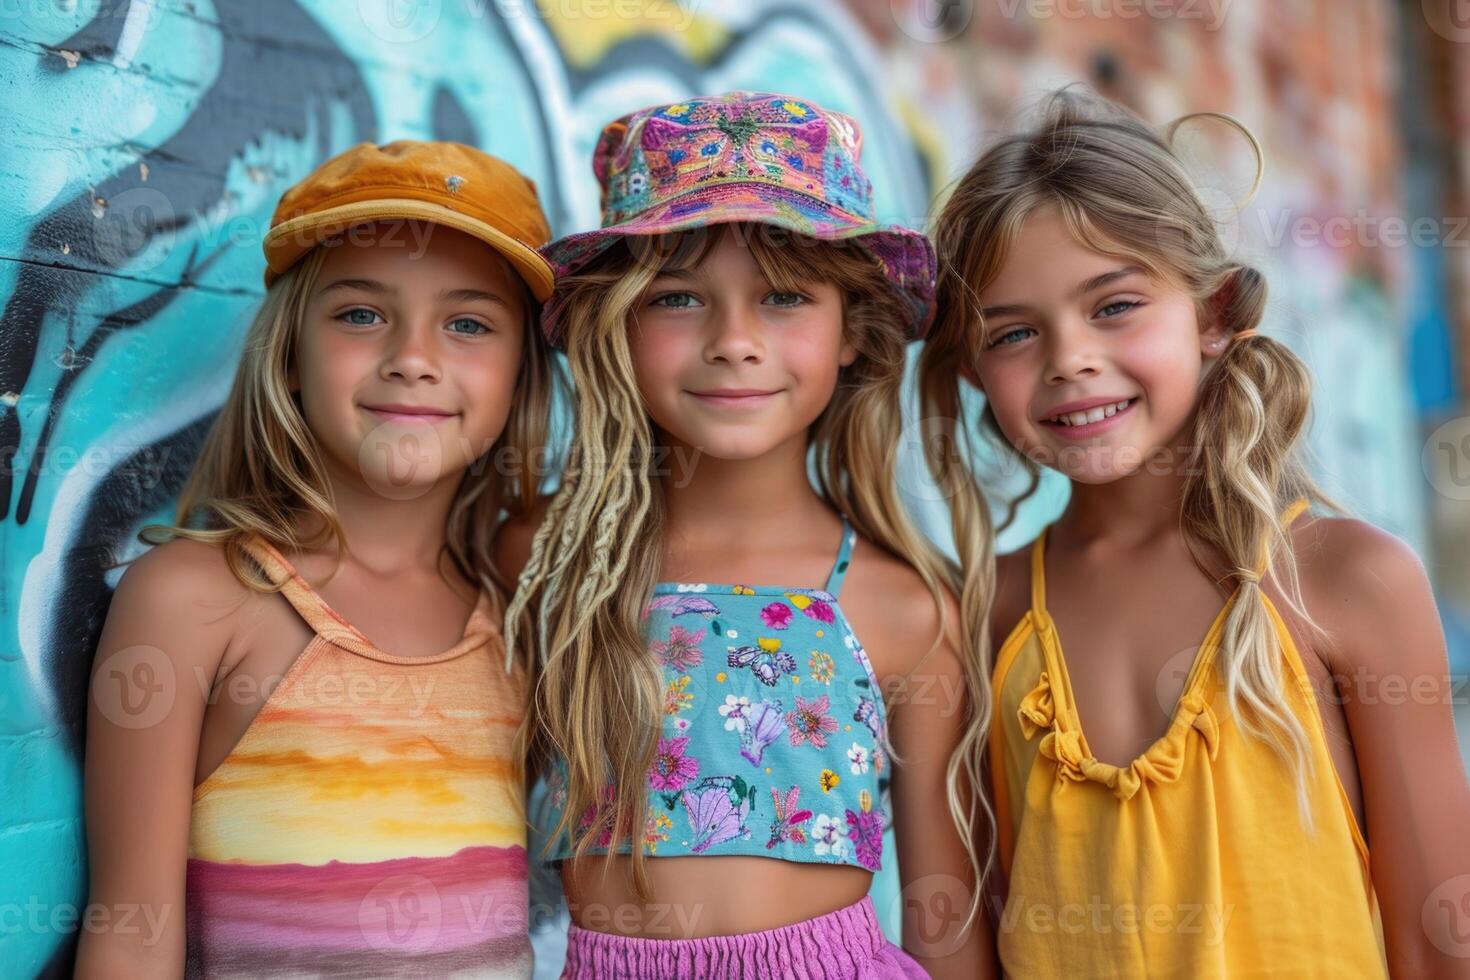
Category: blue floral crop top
[774,732]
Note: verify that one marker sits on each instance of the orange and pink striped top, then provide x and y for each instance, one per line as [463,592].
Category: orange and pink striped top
[370,821]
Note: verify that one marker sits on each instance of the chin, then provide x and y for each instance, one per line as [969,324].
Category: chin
[1093,464]
[730,446]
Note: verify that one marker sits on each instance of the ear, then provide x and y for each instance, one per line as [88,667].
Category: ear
[848,355]
[1214,331]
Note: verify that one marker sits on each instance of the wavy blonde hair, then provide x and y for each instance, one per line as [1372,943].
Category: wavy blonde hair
[596,557]
[1122,190]
[260,471]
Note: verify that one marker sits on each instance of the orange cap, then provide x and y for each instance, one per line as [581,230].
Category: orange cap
[446,183]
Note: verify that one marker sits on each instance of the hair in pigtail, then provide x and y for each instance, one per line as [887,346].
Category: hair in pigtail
[1122,190]
[1253,407]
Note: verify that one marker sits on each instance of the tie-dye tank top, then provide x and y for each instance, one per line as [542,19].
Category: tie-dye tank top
[774,736]
[368,822]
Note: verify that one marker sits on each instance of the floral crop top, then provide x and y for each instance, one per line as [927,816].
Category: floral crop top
[774,732]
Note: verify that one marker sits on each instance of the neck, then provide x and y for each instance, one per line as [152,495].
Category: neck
[722,503]
[386,535]
[1132,509]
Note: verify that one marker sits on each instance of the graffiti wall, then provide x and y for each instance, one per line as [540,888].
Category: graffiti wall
[144,145]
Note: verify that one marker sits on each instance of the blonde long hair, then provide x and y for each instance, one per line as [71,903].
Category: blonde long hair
[596,557]
[1122,190]
[260,470]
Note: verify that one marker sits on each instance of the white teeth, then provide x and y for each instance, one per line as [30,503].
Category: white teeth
[1091,415]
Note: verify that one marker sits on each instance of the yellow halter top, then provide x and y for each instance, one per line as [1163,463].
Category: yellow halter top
[1192,860]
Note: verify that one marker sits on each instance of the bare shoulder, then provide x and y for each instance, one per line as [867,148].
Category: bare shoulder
[511,548]
[893,611]
[182,598]
[190,578]
[1358,580]
[1351,558]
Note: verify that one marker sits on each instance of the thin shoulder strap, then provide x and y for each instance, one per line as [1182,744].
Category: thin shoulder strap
[303,598]
[1290,514]
[1294,511]
[1038,576]
[844,558]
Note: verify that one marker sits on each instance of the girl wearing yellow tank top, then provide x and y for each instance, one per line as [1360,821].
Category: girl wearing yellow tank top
[1200,730]
[299,755]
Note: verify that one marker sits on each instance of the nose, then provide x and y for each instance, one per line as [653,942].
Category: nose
[1072,354]
[412,354]
[735,336]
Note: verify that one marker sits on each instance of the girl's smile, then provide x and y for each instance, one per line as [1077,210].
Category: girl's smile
[1089,417]
[1082,346]
[409,414]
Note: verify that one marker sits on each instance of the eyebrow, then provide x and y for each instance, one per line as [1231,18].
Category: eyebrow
[461,295]
[1095,282]
[679,275]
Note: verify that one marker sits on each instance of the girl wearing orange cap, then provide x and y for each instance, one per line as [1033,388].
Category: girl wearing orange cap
[300,736]
[725,761]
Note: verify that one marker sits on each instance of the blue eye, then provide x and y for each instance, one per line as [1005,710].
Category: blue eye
[1012,336]
[1120,306]
[350,316]
[675,301]
[785,299]
[475,326]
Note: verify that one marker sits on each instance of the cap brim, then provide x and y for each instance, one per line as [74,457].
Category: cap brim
[288,241]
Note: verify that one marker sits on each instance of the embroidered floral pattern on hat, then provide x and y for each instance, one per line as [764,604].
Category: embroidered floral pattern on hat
[743,157]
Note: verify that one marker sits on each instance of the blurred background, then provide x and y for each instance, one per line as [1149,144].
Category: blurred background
[144,143]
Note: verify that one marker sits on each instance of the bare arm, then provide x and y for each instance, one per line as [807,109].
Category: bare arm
[1388,642]
[928,713]
[511,548]
[166,632]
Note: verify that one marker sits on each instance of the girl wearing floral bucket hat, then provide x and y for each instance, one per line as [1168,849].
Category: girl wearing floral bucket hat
[740,313]
[311,754]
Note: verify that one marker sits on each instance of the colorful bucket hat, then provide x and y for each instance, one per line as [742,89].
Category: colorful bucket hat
[747,157]
[445,183]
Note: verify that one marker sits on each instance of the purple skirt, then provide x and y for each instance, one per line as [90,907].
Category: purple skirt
[844,945]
